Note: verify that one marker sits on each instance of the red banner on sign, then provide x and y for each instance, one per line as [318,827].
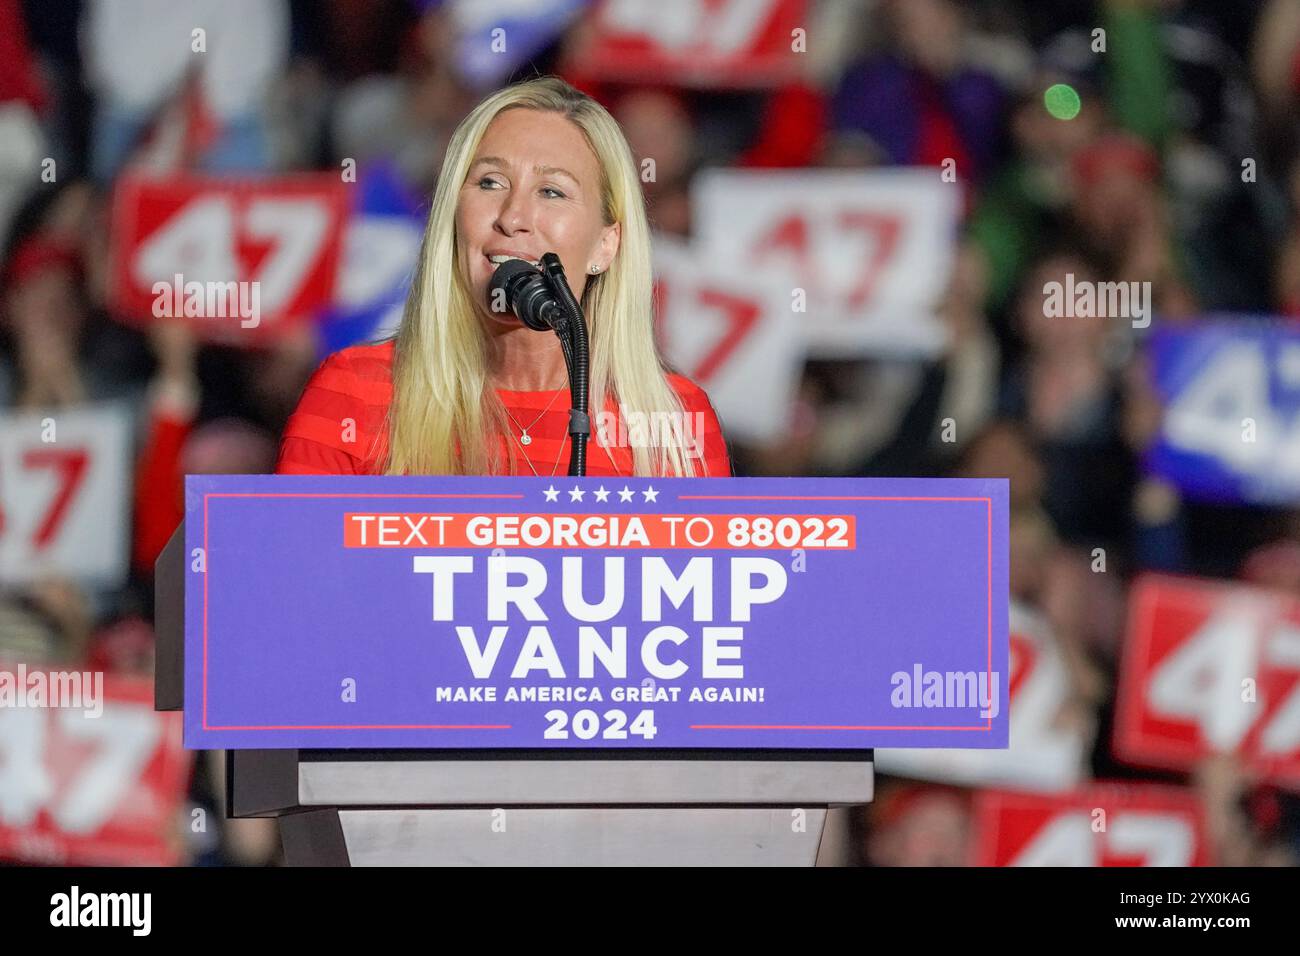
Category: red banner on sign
[569,531]
[240,259]
[1103,825]
[78,788]
[702,43]
[1210,668]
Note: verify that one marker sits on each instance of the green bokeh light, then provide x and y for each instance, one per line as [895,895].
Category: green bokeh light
[1062,101]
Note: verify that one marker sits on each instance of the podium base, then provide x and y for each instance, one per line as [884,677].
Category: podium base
[410,808]
[564,836]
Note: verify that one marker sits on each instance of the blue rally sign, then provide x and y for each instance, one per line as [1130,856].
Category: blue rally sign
[1231,427]
[455,612]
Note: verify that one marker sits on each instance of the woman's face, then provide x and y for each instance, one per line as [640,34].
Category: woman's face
[533,187]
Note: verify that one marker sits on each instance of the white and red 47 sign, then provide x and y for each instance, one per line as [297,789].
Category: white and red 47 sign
[739,341]
[64,494]
[742,43]
[1210,668]
[83,790]
[1103,825]
[1046,754]
[283,234]
[871,252]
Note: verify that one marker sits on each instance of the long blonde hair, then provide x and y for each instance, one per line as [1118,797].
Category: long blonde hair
[442,397]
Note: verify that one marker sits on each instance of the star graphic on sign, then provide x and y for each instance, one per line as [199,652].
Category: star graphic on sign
[575,493]
[626,494]
[551,494]
[651,494]
[601,493]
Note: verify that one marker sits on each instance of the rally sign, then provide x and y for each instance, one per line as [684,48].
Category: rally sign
[99,783]
[494,38]
[725,335]
[1231,427]
[865,256]
[1047,752]
[1210,668]
[240,259]
[381,244]
[464,612]
[65,494]
[703,43]
[1101,825]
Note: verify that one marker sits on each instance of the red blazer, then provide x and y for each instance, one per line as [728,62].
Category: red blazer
[339,425]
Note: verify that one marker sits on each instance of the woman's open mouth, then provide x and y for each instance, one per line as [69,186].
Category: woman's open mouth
[497,258]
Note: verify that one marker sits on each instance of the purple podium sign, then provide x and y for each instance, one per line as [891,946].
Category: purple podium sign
[460,613]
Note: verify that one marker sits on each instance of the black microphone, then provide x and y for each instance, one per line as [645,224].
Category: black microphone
[521,287]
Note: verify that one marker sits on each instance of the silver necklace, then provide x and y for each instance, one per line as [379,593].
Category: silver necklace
[524,437]
[554,469]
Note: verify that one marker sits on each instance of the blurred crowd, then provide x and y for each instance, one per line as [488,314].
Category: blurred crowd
[1145,183]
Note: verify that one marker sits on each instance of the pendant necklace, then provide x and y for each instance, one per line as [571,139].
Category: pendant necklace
[524,437]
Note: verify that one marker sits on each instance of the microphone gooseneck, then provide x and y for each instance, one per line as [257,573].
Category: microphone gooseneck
[578,360]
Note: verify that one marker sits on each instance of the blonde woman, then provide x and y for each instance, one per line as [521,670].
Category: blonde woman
[462,389]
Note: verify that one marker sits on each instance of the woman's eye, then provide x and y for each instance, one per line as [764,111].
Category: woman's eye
[487,182]
[552,189]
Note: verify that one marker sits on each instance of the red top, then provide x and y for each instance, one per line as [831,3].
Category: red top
[339,425]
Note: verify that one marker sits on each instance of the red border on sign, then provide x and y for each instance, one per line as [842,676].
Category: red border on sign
[988,503]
